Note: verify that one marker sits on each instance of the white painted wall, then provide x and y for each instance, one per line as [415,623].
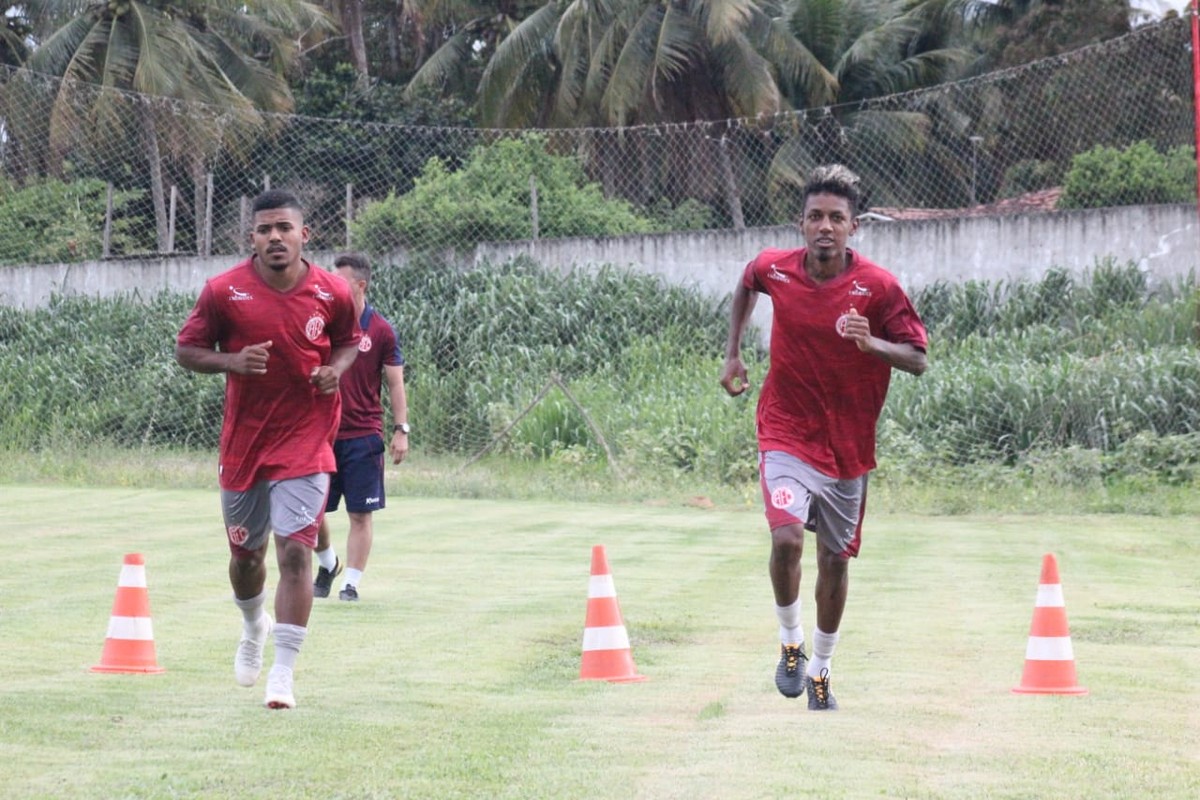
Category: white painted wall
[1163,240]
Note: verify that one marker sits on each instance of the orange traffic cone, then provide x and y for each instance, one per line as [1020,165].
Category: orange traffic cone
[1049,661]
[129,645]
[606,654]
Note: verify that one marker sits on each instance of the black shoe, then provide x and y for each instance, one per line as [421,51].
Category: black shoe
[820,696]
[325,578]
[348,592]
[789,675]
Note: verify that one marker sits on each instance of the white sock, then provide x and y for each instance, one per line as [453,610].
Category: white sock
[353,578]
[790,629]
[252,610]
[328,558]
[823,647]
[288,639]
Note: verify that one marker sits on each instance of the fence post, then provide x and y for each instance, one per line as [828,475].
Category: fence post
[171,219]
[266,182]
[349,211]
[243,224]
[208,213]
[1196,90]
[108,214]
[731,188]
[533,205]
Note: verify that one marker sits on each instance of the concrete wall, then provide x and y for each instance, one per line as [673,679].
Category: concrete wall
[1163,240]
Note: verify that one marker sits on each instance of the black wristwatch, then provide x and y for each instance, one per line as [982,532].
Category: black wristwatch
[403,428]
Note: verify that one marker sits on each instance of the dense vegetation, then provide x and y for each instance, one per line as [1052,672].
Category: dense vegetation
[1062,379]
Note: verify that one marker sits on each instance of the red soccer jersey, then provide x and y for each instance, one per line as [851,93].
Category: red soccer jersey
[277,425]
[362,413]
[822,396]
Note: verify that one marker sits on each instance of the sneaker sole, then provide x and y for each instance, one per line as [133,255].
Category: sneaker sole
[279,703]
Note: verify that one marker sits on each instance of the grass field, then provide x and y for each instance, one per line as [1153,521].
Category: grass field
[455,677]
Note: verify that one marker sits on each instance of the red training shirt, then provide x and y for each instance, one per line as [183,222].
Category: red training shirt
[276,425]
[822,396]
[362,413]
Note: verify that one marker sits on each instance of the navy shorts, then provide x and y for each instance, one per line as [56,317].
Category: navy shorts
[359,476]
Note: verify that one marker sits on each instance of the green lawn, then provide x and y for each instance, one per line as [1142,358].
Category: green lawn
[455,677]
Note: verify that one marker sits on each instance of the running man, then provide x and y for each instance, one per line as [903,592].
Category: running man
[283,331]
[841,324]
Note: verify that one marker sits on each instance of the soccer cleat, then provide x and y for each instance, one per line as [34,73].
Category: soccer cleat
[348,592]
[820,696]
[790,674]
[247,661]
[279,688]
[325,578]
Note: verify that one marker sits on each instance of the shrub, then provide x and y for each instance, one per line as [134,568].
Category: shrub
[55,222]
[1139,174]
[488,199]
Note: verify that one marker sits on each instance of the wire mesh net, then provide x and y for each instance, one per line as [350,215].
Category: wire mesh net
[89,173]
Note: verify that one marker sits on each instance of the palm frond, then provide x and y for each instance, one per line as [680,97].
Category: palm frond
[747,79]
[634,70]
[445,65]
[799,73]
[66,48]
[724,19]
[524,52]
[820,25]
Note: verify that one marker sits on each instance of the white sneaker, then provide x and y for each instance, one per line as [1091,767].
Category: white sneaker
[279,688]
[247,662]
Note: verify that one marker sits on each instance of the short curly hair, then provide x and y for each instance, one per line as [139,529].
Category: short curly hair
[837,180]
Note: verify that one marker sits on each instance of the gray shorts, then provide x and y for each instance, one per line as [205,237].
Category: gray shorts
[795,493]
[292,507]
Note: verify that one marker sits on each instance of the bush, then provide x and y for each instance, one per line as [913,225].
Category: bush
[1138,175]
[489,199]
[53,222]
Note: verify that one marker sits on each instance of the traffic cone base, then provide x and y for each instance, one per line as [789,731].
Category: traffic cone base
[1049,658]
[129,643]
[606,652]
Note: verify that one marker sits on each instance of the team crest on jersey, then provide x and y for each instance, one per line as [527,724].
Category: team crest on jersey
[859,290]
[364,344]
[783,497]
[237,534]
[314,328]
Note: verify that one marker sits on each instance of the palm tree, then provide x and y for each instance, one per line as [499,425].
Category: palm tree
[231,55]
[874,49]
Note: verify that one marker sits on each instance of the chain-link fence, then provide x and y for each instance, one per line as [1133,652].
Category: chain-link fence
[609,365]
[181,174]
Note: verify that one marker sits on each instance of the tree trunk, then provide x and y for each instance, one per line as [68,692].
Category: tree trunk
[198,200]
[352,27]
[161,222]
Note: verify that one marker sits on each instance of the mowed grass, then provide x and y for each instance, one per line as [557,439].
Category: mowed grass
[456,676]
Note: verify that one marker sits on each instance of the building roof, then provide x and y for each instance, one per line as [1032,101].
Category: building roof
[1030,203]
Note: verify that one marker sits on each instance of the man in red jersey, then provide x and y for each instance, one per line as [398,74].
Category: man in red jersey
[283,331]
[841,324]
[359,445]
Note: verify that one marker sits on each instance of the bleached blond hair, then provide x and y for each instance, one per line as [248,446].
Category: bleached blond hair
[838,180]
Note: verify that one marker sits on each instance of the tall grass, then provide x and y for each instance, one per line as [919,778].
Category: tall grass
[1101,371]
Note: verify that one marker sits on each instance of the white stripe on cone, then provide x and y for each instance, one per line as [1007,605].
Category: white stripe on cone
[1050,595]
[601,586]
[1049,648]
[138,628]
[133,576]
[613,637]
